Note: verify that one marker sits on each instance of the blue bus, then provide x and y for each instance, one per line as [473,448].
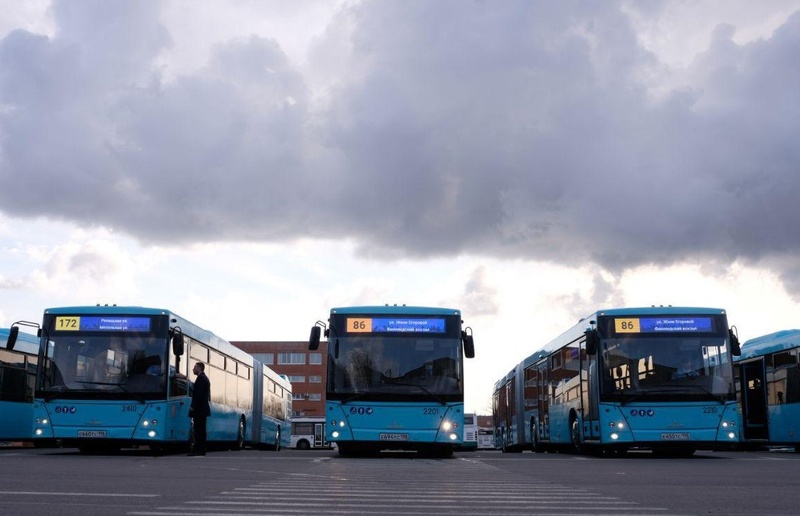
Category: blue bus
[768,382]
[117,376]
[657,378]
[395,378]
[17,375]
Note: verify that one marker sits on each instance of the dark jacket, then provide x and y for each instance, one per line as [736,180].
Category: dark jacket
[200,397]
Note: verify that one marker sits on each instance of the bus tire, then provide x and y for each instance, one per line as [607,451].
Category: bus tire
[576,439]
[240,433]
[302,444]
[536,444]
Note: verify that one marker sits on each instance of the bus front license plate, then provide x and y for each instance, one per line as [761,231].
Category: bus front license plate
[91,433]
[675,437]
[394,437]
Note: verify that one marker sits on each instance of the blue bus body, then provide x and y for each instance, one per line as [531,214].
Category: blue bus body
[115,376]
[768,382]
[17,375]
[658,378]
[395,379]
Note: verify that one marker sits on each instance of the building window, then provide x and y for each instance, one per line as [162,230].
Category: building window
[297,378]
[315,378]
[267,358]
[315,358]
[315,396]
[298,396]
[291,358]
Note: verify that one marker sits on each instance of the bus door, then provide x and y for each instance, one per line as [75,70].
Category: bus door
[754,400]
[543,404]
[319,435]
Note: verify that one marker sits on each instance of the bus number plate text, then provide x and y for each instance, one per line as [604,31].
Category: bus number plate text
[91,433]
[682,436]
[393,437]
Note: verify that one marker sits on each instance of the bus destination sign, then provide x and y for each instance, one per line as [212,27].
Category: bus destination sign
[395,325]
[663,324]
[105,323]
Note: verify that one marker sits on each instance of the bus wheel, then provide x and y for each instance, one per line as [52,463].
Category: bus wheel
[536,444]
[302,444]
[240,435]
[278,440]
[575,434]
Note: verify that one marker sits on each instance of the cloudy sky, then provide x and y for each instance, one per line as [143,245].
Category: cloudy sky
[250,164]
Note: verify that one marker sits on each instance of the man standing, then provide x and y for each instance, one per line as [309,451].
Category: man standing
[200,408]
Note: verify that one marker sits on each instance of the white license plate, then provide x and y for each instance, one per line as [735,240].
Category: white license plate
[394,437]
[683,436]
[91,433]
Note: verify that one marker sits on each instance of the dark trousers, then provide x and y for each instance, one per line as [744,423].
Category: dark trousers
[200,435]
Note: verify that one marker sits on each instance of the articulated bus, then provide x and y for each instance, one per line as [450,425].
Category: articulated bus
[768,374]
[115,376]
[17,375]
[395,378]
[658,378]
[308,433]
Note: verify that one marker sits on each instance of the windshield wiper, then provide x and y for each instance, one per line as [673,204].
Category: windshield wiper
[672,390]
[719,398]
[139,398]
[354,397]
[429,393]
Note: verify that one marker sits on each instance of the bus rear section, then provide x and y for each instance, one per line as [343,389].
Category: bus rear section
[18,360]
[395,379]
[470,442]
[768,389]
[309,433]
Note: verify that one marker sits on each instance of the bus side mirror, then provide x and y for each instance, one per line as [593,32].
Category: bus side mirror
[177,342]
[592,340]
[736,349]
[13,332]
[313,339]
[469,344]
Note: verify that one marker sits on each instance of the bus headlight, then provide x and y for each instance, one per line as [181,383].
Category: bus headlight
[147,423]
[335,434]
[447,425]
[453,437]
[152,433]
[38,431]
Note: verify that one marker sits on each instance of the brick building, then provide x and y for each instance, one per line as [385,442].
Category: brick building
[305,369]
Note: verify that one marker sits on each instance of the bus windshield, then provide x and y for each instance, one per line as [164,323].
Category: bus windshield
[105,365]
[668,368]
[396,366]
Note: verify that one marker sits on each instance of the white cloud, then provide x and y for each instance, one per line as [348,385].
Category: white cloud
[250,165]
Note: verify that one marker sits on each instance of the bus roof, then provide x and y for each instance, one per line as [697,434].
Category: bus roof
[395,309]
[26,343]
[576,331]
[770,343]
[187,327]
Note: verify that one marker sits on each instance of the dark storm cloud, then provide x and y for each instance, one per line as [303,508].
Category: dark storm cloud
[519,129]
